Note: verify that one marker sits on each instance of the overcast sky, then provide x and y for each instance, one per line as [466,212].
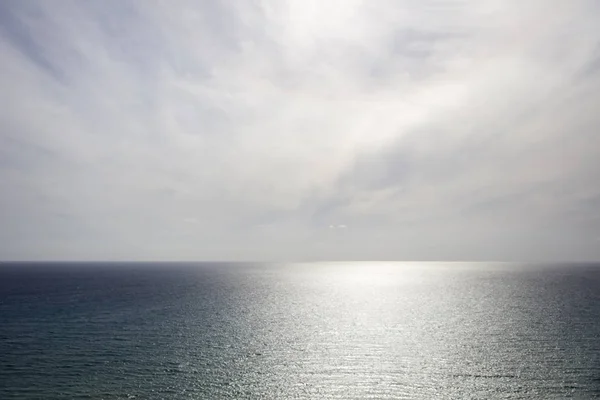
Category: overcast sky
[300,130]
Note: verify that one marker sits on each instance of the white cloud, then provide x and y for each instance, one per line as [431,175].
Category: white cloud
[436,129]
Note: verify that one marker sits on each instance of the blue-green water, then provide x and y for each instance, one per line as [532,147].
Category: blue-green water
[300,331]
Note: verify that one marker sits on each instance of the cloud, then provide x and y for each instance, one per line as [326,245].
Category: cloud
[435,129]
[337,226]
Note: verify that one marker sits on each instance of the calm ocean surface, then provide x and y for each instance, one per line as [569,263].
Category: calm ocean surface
[300,331]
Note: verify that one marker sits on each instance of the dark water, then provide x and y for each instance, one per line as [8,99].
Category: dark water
[302,331]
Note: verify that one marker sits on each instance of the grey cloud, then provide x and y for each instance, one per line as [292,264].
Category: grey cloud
[15,30]
[432,130]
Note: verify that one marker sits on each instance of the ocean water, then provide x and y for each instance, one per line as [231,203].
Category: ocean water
[300,331]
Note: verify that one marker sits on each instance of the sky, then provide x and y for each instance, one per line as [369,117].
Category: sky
[299,130]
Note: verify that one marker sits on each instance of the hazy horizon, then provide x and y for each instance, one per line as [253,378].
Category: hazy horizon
[480,264]
[300,130]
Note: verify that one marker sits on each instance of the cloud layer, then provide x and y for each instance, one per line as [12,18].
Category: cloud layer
[300,130]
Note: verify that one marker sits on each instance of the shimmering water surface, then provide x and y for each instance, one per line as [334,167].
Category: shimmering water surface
[300,331]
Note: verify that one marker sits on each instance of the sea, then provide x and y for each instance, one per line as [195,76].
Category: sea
[361,330]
